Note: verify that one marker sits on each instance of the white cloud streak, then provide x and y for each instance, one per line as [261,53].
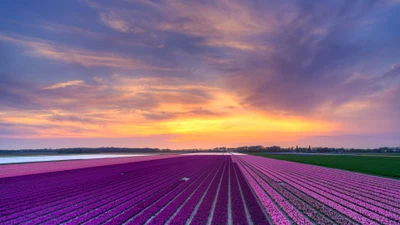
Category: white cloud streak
[65,84]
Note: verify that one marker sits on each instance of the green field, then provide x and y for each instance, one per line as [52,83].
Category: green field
[376,165]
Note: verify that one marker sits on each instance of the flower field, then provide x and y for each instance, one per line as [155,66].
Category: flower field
[12,170]
[196,189]
[294,193]
[175,190]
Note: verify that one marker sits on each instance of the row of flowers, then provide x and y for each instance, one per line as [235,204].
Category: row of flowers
[348,198]
[51,189]
[95,198]
[170,202]
[189,189]
[301,194]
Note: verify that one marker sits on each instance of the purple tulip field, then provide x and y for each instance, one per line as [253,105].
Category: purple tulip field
[175,190]
[200,189]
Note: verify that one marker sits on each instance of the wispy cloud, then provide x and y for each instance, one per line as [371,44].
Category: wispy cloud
[53,51]
[313,61]
[113,21]
[245,46]
[70,29]
[230,24]
[65,84]
[220,18]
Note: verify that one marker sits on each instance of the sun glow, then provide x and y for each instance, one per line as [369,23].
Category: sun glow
[217,118]
[246,123]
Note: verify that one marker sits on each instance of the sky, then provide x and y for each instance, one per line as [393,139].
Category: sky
[199,74]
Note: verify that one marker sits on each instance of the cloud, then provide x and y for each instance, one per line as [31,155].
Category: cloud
[216,18]
[206,71]
[65,84]
[113,21]
[124,107]
[70,29]
[16,94]
[392,73]
[195,113]
[312,62]
[148,106]
[36,129]
[229,24]
[11,130]
[245,46]
[119,92]
[72,118]
[52,51]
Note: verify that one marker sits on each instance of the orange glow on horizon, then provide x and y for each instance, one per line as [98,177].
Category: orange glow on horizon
[225,121]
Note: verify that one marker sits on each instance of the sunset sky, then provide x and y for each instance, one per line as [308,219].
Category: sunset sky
[199,74]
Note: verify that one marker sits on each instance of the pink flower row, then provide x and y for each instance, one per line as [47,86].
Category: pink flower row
[301,194]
